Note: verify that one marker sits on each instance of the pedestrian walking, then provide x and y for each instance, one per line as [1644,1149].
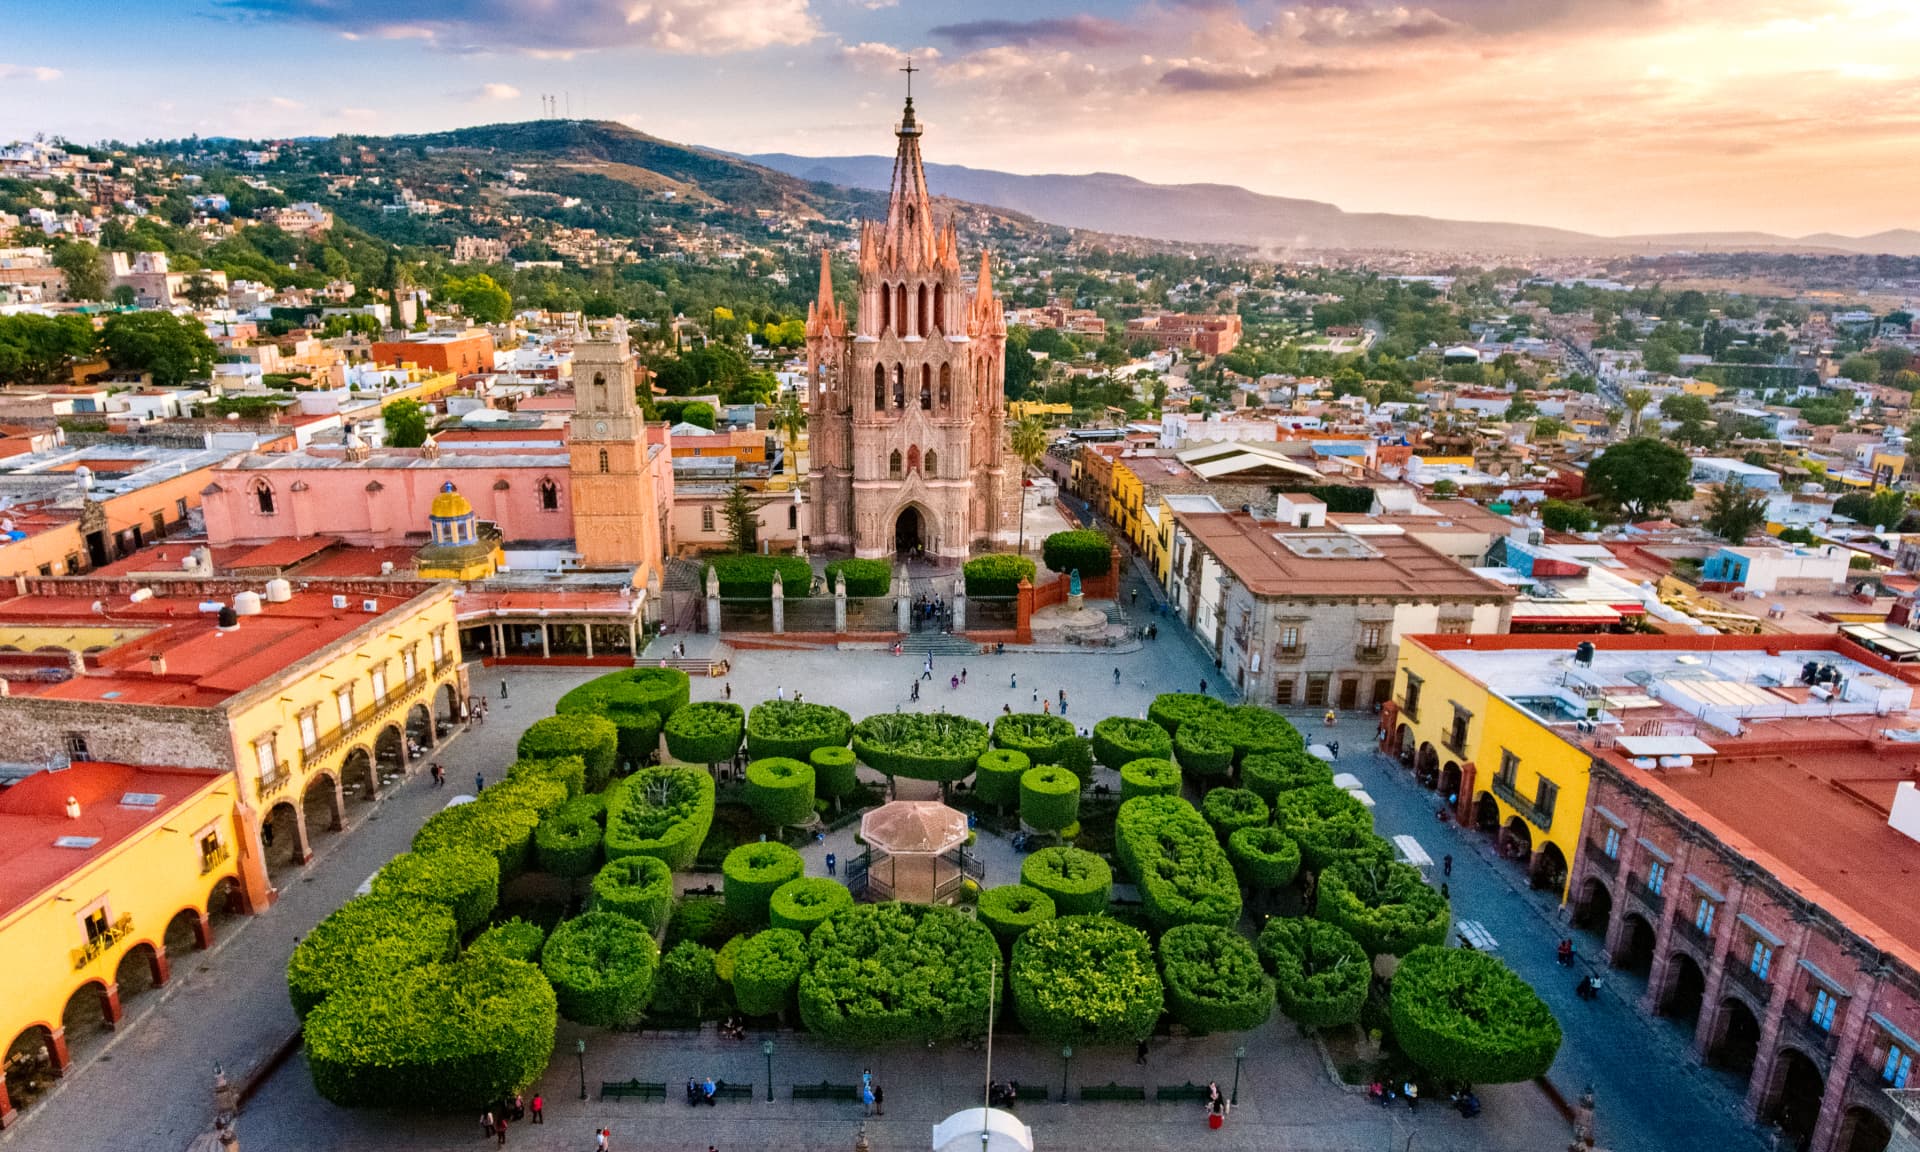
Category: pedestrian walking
[1140,1051]
[1446,865]
[1136,597]
[500,1130]
[486,1125]
[866,1098]
[879,1100]
[503,688]
[1046,707]
[439,775]
[1203,685]
[479,782]
[601,1139]
[539,1109]
[1116,675]
[519,1107]
[780,693]
[963,676]
[729,689]
[832,863]
[1333,748]
[1013,680]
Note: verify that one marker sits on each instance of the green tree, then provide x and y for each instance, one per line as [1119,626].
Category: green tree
[201,291]
[86,274]
[1029,441]
[1566,516]
[1641,476]
[1635,399]
[41,350]
[1885,508]
[1661,357]
[743,520]
[173,349]
[1686,409]
[790,419]
[1735,513]
[1863,369]
[1521,408]
[406,423]
[482,299]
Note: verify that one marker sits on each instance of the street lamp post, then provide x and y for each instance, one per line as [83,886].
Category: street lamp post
[580,1050]
[766,1049]
[1239,1055]
[1066,1062]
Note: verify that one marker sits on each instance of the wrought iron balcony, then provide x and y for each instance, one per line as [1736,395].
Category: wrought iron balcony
[1757,985]
[1651,900]
[1529,811]
[1702,942]
[103,943]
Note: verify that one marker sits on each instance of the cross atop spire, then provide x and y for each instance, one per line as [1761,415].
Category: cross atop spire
[910,70]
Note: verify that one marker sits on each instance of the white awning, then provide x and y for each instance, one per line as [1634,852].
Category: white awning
[1665,746]
[1411,852]
[961,1132]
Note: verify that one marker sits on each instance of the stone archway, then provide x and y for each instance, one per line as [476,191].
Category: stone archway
[322,806]
[1427,763]
[447,704]
[1863,1130]
[913,532]
[1548,872]
[358,779]
[283,839]
[1795,1094]
[1686,988]
[1404,749]
[420,726]
[1449,781]
[1594,909]
[390,750]
[32,1062]
[226,903]
[1486,814]
[1738,1044]
[89,1017]
[141,970]
[1636,945]
[1516,841]
[186,933]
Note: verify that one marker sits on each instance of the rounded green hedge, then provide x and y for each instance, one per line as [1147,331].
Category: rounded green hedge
[898,973]
[601,966]
[1171,709]
[594,739]
[514,939]
[466,880]
[1171,852]
[835,771]
[1086,980]
[780,790]
[637,701]
[806,903]
[705,733]
[662,811]
[1263,857]
[794,729]
[1011,909]
[1320,973]
[1079,882]
[996,776]
[863,577]
[1271,773]
[752,873]
[920,745]
[749,576]
[567,843]
[1049,798]
[1202,752]
[1388,907]
[441,1036]
[365,941]
[1214,979]
[570,772]
[1253,731]
[1149,777]
[1120,740]
[1328,824]
[1086,549]
[637,887]
[997,574]
[767,969]
[1044,738]
[1231,809]
[502,828]
[1464,1016]
[687,985]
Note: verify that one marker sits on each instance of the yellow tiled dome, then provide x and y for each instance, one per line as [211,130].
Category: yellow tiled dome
[450,505]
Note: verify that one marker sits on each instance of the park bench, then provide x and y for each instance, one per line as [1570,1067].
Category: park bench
[726,1091]
[1196,1093]
[639,1089]
[826,1091]
[1112,1093]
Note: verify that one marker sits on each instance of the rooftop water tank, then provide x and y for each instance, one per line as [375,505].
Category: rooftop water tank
[246,603]
[279,591]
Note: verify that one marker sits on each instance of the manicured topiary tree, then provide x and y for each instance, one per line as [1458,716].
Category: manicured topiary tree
[663,811]
[794,729]
[1086,980]
[752,873]
[637,701]
[365,941]
[1171,709]
[541,788]
[996,574]
[594,739]
[1011,909]
[750,576]
[1386,906]
[996,776]
[1203,753]
[570,772]
[835,773]
[1086,549]
[1214,979]
[502,828]
[897,973]
[806,903]
[1328,824]
[637,887]
[767,970]
[466,880]
[602,968]
[1149,777]
[1320,973]
[863,577]
[687,986]
[1231,809]
[1173,855]
[456,1036]
[780,790]
[514,939]
[1045,739]
[1271,773]
[1049,798]
[1253,730]
[1120,740]
[1466,1018]
[705,733]
[1263,857]
[920,745]
[567,843]
[1078,882]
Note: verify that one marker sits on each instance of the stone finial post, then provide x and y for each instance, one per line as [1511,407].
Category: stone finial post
[839,602]
[779,604]
[713,602]
[959,604]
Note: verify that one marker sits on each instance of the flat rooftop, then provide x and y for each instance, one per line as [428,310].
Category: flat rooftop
[1273,559]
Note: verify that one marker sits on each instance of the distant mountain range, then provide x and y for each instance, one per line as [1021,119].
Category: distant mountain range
[1227,214]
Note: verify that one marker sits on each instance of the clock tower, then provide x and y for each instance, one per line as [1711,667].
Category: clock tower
[617,519]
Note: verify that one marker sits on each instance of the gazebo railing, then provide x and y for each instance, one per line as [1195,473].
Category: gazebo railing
[860,874]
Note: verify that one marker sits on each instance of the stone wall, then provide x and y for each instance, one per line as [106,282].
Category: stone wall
[37,730]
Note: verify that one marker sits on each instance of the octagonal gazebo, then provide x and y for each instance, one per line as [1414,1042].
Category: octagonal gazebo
[916,851]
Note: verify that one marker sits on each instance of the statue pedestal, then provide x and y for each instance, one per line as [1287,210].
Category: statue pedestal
[1075,601]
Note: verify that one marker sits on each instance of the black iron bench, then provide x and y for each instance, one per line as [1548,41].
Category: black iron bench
[1112,1093]
[826,1091]
[1188,1091]
[726,1091]
[639,1089]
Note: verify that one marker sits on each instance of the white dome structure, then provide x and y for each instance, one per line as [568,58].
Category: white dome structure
[982,1130]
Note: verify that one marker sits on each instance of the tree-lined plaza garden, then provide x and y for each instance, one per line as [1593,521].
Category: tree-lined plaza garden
[1212,874]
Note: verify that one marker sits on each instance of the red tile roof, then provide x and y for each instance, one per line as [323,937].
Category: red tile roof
[1399,566]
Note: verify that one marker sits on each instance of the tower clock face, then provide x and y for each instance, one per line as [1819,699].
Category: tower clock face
[600,427]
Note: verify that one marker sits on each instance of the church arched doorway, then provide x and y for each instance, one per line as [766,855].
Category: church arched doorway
[909,532]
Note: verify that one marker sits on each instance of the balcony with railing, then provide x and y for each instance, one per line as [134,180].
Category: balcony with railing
[1701,943]
[1410,706]
[1800,1031]
[1649,899]
[1455,741]
[1869,1077]
[274,781]
[1370,653]
[104,941]
[213,859]
[1597,852]
[398,697]
[1757,986]
[1529,811]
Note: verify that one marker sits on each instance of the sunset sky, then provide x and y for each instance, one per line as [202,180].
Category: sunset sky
[1612,116]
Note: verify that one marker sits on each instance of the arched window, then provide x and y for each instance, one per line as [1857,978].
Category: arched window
[263,496]
[886,308]
[603,461]
[899,386]
[550,492]
[926,387]
[940,308]
[893,465]
[946,387]
[900,308]
[879,388]
[599,390]
[930,467]
[913,459]
[924,327]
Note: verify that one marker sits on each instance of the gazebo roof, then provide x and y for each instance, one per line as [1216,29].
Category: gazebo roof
[913,826]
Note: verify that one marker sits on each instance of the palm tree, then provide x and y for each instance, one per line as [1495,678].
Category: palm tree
[1029,442]
[1635,400]
[790,419]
